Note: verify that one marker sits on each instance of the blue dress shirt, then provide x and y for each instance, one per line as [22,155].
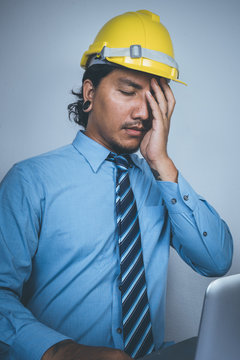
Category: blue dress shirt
[59,260]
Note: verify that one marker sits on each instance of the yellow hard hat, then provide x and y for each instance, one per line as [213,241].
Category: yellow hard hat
[136,40]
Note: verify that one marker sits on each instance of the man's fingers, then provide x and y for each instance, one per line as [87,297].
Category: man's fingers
[156,112]
[168,95]
[162,102]
[160,97]
[164,97]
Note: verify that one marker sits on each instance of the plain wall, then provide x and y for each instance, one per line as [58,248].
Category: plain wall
[41,46]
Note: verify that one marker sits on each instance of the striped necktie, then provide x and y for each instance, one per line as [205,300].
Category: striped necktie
[137,329]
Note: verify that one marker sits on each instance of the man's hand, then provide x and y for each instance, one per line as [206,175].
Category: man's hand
[70,350]
[154,144]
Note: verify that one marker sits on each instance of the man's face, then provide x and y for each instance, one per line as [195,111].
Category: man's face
[120,115]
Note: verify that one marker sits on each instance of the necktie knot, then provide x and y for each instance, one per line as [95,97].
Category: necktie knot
[121,161]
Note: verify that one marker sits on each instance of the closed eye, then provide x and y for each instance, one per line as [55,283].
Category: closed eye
[128,93]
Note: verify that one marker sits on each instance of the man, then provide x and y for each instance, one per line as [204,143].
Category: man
[85,230]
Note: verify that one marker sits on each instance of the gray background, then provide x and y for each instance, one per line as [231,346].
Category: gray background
[41,45]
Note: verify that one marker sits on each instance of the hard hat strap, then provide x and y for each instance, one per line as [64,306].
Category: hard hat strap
[136,51]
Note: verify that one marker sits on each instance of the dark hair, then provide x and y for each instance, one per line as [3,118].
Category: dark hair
[95,73]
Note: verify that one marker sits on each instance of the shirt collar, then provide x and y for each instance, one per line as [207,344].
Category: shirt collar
[94,153]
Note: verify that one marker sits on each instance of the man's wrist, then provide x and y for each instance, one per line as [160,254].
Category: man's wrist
[164,170]
[156,174]
[53,350]
[70,350]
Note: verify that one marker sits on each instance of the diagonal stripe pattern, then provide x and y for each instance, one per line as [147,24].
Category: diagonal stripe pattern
[137,329]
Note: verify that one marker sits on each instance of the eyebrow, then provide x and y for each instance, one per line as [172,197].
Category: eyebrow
[130,83]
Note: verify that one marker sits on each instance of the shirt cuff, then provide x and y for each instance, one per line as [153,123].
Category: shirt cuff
[34,340]
[178,197]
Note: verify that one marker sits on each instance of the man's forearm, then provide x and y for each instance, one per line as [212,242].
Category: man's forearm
[164,170]
[70,350]
[53,350]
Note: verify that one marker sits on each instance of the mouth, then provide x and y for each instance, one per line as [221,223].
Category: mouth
[135,131]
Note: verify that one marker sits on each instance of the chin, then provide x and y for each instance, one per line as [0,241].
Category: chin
[121,149]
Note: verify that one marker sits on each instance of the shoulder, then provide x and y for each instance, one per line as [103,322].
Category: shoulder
[39,169]
[47,158]
[44,164]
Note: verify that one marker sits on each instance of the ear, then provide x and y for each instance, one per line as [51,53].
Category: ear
[88,93]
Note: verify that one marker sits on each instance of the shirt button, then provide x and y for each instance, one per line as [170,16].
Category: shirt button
[204,233]
[185,197]
[120,287]
[173,201]
[130,166]
[119,330]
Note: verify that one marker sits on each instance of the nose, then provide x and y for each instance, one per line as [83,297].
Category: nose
[141,110]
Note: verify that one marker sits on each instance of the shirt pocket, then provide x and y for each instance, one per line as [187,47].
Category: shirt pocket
[152,217]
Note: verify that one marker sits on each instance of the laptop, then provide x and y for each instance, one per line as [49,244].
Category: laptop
[219,331]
